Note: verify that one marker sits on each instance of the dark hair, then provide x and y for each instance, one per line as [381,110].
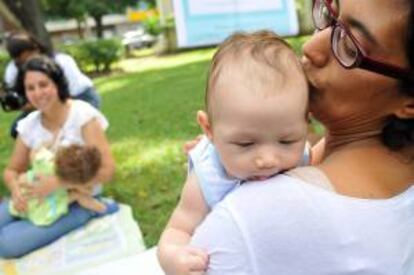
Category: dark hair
[399,133]
[77,164]
[46,65]
[19,42]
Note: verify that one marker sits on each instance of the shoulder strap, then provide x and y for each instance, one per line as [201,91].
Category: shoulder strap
[312,175]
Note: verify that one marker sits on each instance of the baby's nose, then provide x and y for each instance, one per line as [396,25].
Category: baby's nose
[266,162]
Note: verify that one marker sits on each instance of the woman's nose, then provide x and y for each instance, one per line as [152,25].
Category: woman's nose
[317,48]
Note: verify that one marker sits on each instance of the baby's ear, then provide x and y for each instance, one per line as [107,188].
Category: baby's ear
[204,122]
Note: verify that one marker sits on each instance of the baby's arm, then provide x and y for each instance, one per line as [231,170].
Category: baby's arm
[83,195]
[174,254]
[87,201]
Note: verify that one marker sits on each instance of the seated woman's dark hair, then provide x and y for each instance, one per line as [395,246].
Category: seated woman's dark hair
[46,65]
[399,133]
[19,42]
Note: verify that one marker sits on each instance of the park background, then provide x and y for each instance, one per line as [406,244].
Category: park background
[150,95]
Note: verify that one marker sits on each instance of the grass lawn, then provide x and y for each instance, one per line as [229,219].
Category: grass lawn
[151,109]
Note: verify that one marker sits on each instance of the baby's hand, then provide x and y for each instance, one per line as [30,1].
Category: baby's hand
[190,261]
[47,185]
[191,144]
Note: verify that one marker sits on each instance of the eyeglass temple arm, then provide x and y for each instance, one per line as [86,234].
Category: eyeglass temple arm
[386,69]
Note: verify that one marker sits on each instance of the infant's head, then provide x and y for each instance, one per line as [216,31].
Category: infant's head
[256,105]
[77,164]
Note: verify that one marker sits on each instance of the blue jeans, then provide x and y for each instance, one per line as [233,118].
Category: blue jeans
[19,237]
[91,96]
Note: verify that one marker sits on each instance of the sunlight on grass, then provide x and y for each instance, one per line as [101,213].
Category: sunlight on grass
[169,61]
[147,155]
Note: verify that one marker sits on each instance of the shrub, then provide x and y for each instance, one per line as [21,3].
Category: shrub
[152,25]
[96,54]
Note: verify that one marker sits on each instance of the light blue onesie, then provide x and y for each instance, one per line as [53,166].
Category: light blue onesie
[213,179]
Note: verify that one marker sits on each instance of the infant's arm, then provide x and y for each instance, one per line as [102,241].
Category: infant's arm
[174,254]
[83,195]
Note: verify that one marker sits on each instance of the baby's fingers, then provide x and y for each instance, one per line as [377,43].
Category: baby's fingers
[198,260]
[19,204]
[199,253]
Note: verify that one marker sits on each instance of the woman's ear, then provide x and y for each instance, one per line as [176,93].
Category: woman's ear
[407,109]
[204,122]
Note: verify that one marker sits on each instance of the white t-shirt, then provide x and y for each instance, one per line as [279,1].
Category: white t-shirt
[289,227]
[34,135]
[78,82]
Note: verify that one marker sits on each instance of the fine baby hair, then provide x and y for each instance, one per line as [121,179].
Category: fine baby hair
[239,50]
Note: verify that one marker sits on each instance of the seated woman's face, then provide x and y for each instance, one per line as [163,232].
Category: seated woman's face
[352,98]
[41,91]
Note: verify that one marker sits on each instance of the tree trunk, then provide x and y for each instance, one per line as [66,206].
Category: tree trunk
[9,16]
[98,26]
[79,28]
[30,16]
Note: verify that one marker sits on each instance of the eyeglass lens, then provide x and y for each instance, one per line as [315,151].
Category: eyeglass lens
[321,15]
[342,45]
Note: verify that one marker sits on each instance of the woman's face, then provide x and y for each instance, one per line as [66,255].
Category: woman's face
[41,91]
[357,98]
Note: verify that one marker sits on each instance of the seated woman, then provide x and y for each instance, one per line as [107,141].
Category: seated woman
[60,120]
[354,212]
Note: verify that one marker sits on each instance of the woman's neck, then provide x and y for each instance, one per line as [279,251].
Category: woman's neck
[364,167]
[54,119]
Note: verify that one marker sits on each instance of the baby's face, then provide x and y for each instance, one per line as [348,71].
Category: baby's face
[259,134]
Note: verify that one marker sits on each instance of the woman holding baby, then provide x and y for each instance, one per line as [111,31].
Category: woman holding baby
[58,121]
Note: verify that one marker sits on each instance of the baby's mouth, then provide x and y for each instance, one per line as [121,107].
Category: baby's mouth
[260,178]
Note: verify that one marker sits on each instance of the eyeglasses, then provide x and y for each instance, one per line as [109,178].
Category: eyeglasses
[346,48]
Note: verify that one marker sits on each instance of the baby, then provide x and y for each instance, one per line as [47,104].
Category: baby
[255,127]
[75,166]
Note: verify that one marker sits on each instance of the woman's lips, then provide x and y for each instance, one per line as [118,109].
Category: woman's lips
[309,72]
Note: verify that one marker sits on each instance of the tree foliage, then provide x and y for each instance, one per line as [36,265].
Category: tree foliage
[79,9]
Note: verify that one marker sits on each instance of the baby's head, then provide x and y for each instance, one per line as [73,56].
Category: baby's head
[256,105]
[77,164]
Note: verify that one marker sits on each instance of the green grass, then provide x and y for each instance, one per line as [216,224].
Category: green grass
[151,108]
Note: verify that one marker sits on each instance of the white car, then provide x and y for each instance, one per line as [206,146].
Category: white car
[137,39]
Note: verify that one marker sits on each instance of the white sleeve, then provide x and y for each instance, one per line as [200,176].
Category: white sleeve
[10,74]
[86,112]
[222,238]
[77,81]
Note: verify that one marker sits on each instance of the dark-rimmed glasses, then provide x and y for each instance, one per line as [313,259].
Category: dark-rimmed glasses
[346,48]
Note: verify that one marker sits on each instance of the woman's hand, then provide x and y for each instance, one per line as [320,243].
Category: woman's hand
[45,186]
[191,144]
[18,198]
